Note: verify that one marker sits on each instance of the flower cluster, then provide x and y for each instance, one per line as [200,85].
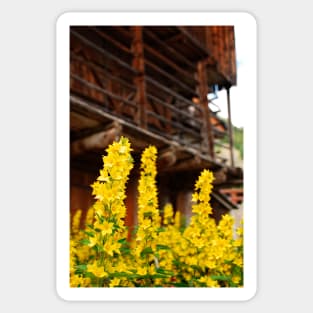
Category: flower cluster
[160,252]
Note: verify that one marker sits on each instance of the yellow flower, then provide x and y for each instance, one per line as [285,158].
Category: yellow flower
[98,271]
[93,240]
[191,254]
[79,281]
[105,227]
[111,246]
[209,281]
[236,279]
[114,282]
[142,271]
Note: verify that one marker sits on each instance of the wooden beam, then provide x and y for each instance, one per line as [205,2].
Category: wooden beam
[223,200]
[139,80]
[97,141]
[167,158]
[220,176]
[191,163]
[207,129]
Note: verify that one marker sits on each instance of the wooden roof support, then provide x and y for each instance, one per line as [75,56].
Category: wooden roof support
[97,141]
[194,162]
[167,158]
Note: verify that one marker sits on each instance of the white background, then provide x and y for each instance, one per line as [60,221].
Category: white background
[27,138]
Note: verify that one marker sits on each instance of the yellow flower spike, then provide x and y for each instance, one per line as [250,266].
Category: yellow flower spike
[203,250]
[89,216]
[76,221]
[168,214]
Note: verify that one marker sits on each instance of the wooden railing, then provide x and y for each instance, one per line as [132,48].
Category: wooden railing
[140,90]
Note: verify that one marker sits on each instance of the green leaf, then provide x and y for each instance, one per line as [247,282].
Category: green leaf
[165,272]
[85,242]
[221,277]
[162,247]
[100,217]
[180,284]
[147,214]
[90,234]
[146,251]
[90,226]
[122,241]
[125,250]
[231,284]
[81,268]
[161,229]
[196,267]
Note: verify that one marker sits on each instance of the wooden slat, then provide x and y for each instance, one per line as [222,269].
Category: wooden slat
[101,69]
[104,91]
[173,65]
[113,41]
[174,109]
[169,91]
[176,54]
[175,124]
[104,52]
[171,77]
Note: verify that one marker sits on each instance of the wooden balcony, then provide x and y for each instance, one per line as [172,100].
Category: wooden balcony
[149,84]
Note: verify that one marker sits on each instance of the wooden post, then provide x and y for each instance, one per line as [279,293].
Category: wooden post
[207,133]
[139,80]
[230,130]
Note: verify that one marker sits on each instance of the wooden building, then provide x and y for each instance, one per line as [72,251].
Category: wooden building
[151,84]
